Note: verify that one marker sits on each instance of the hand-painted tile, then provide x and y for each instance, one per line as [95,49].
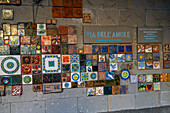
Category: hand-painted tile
[141,78]
[107,90]
[75,67]
[120,57]
[148,48]
[5,80]
[87,49]
[37,87]
[72,39]
[109,75]
[26,69]
[149,65]
[72,49]
[74,58]
[117,79]
[84,76]
[16,80]
[128,48]
[96,49]
[74,84]
[149,78]
[156,56]
[47,88]
[87,18]
[102,67]
[166,65]
[66,77]
[124,89]
[156,64]
[129,57]
[113,66]
[141,65]
[164,77]
[112,49]
[133,79]
[116,90]
[93,76]
[56,87]
[149,86]
[15,49]
[141,87]
[66,85]
[121,49]
[141,57]
[141,48]
[75,77]
[16,90]
[148,57]
[91,91]
[110,82]
[77,13]
[37,79]
[156,86]
[99,91]
[155,48]
[156,77]
[90,83]
[27,79]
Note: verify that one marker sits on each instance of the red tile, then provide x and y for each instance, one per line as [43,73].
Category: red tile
[57,12]
[77,12]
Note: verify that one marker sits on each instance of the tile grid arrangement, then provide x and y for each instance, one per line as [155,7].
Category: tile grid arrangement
[10,2]
[51,61]
[166,56]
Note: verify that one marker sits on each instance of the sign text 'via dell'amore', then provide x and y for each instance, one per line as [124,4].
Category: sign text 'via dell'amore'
[107,34]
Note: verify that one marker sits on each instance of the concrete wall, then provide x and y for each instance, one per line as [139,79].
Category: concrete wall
[104,12]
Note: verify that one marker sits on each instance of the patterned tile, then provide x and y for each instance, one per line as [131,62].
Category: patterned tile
[16,90]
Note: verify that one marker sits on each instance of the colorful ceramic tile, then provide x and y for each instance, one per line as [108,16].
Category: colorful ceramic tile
[47,78]
[62,30]
[121,49]
[124,89]
[7,14]
[25,49]
[112,49]
[148,57]
[6,29]
[109,75]
[36,40]
[26,59]
[104,49]
[81,84]
[156,56]
[129,57]
[156,77]
[120,57]
[141,78]
[14,30]
[166,48]
[128,48]
[35,59]
[56,87]
[46,49]
[47,88]
[74,58]
[6,80]
[66,68]
[57,12]
[117,79]
[16,80]
[66,77]
[166,65]
[26,69]
[10,65]
[2,90]
[25,40]
[156,86]
[141,87]
[100,83]
[141,48]
[77,13]
[115,90]
[72,49]
[87,18]
[46,40]
[133,79]
[64,39]
[87,49]
[110,82]
[149,78]
[72,39]
[75,67]
[102,67]
[149,86]
[125,74]
[164,77]
[96,49]
[65,59]
[51,31]
[80,51]
[141,57]
[84,76]
[37,79]
[155,48]
[141,65]
[66,85]
[14,40]
[156,64]
[102,58]
[14,50]
[37,87]
[89,69]
[56,77]
[82,68]
[88,62]
[107,90]
[102,75]
[75,77]
[41,32]
[149,65]
[74,84]
[148,48]
[93,76]
[129,66]
[99,90]
[64,49]
[27,79]
[166,56]
[21,32]
[51,63]
[91,91]
[16,90]
[72,30]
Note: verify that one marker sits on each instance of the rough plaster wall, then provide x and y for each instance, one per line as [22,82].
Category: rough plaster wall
[132,13]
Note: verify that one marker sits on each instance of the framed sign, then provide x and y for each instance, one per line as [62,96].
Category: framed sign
[107,34]
[150,34]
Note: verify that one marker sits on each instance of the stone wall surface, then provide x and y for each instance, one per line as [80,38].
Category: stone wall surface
[134,13]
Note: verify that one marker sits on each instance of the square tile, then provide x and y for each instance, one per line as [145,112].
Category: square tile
[16,90]
[166,48]
[72,30]
[10,65]
[141,87]
[37,87]
[141,78]
[35,59]
[57,12]
[72,39]
[117,79]
[129,49]
[156,77]
[112,49]
[129,57]
[75,77]
[166,64]
[115,90]
[102,67]
[156,86]
[87,18]
[148,48]
[56,87]
[166,56]
[67,12]
[14,50]
[46,40]
[156,56]
[89,69]
[133,79]
[88,62]
[47,88]
[66,77]
[87,49]
[102,75]
[25,49]
[66,85]
[26,59]
[110,82]
[7,14]
[102,58]
[64,49]
[141,65]
[25,40]
[2,90]
[66,68]
[96,49]
[5,80]
[100,83]
[65,59]
[26,69]
[57,3]
[124,89]
[149,65]
[56,77]
[75,67]
[16,80]
[64,39]
[90,83]
[155,48]
[77,3]
[95,68]
[74,58]
[149,86]
[82,68]
[93,76]
[141,48]
[148,57]
[120,57]
[47,78]
[74,84]
[99,91]
[37,79]
[149,78]
[72,49]
[91,91]
[62,30]
[109,75]
[112,58]
[104,49]
[107,90]
[156,65]
[121,49]
[77,13]
[84,76]
[27,79]
[164,77]
[51,63]
[141,57]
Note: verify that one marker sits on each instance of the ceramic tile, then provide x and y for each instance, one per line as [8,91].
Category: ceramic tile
[99,91]
[149,86]
[133,79]
[91,91]
[115,90]
[141,87]
[77,13]
[107,90]
[156,77]
[67,12]
[164,77]
[87,18]
[149,78]
[141,78]
[16,90]
[156,86]
[87,49]
[27,79]
[37,87]
[124,89]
